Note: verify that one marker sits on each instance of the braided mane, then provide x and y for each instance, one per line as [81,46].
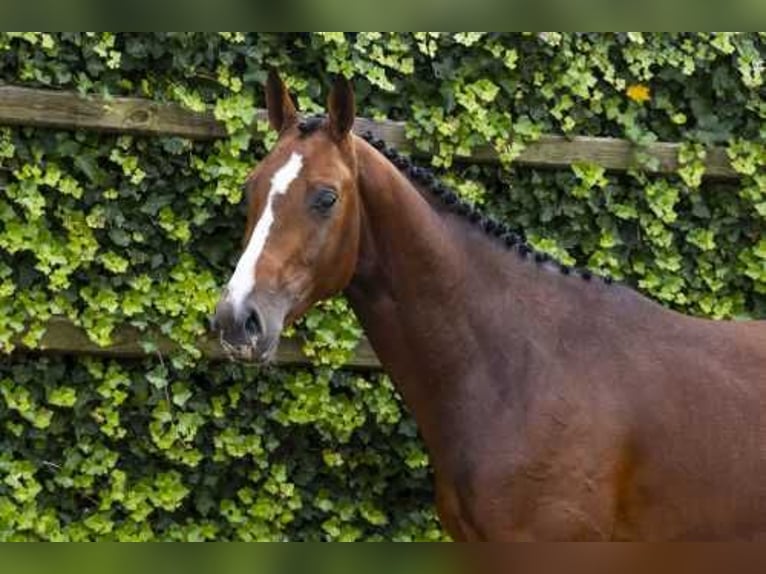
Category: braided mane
[425,179]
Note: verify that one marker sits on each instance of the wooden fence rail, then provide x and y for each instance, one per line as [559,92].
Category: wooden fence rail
[62,337]
[69,110]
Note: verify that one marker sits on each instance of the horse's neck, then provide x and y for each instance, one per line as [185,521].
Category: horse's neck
[426,289]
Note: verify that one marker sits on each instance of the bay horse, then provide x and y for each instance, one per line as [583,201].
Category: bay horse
[553,404]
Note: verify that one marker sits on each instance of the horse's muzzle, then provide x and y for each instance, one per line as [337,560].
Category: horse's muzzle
[248,331]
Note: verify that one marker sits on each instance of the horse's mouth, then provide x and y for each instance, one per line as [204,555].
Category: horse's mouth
[256,351]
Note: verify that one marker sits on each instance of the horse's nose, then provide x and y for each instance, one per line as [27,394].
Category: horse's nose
[253,324]
[237,326]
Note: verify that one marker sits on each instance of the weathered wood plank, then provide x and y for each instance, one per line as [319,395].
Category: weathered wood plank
[67,110]
[617,155]
[63,337]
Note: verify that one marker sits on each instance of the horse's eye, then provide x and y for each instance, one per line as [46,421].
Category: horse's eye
[324,200]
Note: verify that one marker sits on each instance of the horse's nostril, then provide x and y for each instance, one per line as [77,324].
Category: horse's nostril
[253,325]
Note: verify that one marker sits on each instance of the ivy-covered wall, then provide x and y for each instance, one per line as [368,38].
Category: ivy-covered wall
[109,230]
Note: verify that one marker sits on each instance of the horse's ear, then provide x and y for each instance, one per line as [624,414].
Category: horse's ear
[341,108]
[282,112]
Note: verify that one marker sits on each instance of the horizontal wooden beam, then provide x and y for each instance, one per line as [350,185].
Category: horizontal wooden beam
[618,155]
[69,110]
[62,337]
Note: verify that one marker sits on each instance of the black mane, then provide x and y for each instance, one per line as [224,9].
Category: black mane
[513,239]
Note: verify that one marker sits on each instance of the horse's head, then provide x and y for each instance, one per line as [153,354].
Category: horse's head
[303,220]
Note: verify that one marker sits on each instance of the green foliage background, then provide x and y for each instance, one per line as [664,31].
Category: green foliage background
[110,230]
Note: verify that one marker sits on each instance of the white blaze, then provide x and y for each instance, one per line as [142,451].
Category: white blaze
[242,282]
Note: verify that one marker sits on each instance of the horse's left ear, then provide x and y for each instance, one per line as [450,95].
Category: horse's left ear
[281,110]
[341,108]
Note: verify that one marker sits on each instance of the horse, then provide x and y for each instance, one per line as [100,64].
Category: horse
[553,403]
